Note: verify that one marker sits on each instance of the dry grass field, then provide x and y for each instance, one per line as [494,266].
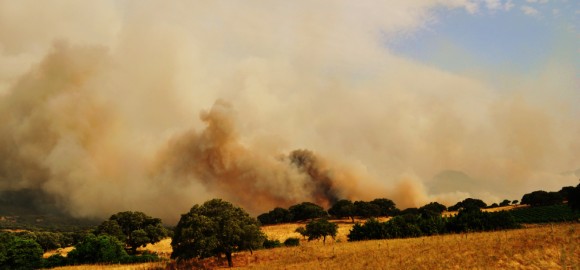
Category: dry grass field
[540,247]
[537,247]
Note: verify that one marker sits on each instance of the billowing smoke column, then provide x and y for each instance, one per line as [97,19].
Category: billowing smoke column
[216,158]
[100,102]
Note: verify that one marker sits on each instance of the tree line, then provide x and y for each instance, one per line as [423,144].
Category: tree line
[217,228]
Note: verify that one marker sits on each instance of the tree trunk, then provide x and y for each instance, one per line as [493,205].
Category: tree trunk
[229,256]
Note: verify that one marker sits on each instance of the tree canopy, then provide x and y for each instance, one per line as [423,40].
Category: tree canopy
[432,209]
[276,216]
[320,228]
[98,249]
[468,203]
[343,209]
[366,209]
[574,198]
[19,252]
[386,207]
[540,197]
[135,229]
[306,210]
[214,228]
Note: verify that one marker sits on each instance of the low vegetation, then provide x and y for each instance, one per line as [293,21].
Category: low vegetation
[545,214]
[217,228]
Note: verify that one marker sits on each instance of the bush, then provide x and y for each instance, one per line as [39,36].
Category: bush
[98,249]
[372,229]
[143,258]
[410,225]
[471,220]
[292,242]
[403,227]
[545,214]
[55,260]
[272,243]
[19,253]
[50,240]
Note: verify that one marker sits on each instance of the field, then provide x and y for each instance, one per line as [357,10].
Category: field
[534,247]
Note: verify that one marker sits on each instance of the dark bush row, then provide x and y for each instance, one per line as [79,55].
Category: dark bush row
[411,225]
[545,214]
[23,252]
[274,243]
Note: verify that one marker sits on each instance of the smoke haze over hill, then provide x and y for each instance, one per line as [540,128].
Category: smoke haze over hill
[153,106]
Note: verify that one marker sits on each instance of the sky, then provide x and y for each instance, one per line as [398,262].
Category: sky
[154,106]
[519,36]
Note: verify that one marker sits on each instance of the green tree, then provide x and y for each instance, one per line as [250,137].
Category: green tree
[98,249]
[367,209]
[433,209]
[306,210]
[387,207]
[276,216]
[135,229]
[342,209]
[371,229]
[565,192]
[505,203]
[50,240]
[542,198]
[19,253]
[468,203]
[574,198]
[214,228]
[321,228]
[302,231]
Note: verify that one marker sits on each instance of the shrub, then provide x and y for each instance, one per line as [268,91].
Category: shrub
[19,253]
[292,242]
[98,249]
[55,260]
[272,243]
[372,229]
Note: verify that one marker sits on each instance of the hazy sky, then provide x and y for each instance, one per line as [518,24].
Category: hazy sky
[155,105]
[516,36]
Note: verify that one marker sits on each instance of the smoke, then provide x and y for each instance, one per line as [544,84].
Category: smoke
[216,158]
[99,109]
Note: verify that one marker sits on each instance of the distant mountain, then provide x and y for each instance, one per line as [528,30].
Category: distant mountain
[31,209]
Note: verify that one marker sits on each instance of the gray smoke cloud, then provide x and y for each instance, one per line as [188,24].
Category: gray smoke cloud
[100,109]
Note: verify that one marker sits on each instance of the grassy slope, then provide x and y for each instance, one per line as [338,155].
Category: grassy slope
[537,247]
[541,247]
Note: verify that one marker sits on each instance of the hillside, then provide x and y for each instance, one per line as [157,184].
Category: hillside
[535,247]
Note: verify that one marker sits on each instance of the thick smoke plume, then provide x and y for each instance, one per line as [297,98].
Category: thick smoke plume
[100,102]
[217,159]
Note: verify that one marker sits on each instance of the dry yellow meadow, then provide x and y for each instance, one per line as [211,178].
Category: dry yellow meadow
[537,247]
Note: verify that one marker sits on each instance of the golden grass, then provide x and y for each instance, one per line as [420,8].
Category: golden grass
[162,248]
[281,232]
[542,247]
[61,251]
[536,247]
[495,209]
[140,266]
